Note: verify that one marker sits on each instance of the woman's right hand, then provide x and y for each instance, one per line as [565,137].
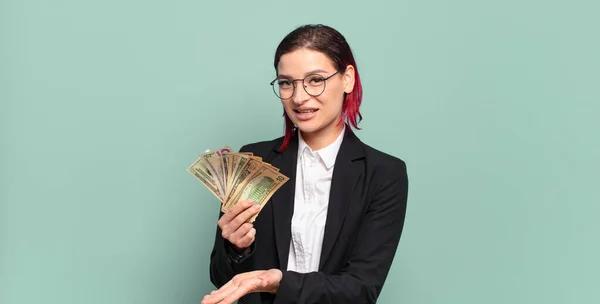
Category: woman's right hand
[234,226]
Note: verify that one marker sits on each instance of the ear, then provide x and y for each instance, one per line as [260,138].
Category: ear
[348,77]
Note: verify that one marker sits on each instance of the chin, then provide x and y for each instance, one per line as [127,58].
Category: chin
[308,126]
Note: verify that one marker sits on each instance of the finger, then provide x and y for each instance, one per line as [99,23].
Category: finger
[234,291]
[216,296]
[240,233]
[241,206]
[212,296]
[247,214]
[238,222]
[248,238]
[248,285]
[231,214]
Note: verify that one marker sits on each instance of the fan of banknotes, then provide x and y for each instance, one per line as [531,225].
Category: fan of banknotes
[235,176]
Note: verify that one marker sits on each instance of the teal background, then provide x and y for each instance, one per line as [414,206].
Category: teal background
[103,105]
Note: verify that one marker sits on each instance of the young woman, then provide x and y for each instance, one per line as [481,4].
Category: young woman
[330,233]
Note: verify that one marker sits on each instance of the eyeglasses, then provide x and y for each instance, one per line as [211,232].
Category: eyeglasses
[314,85]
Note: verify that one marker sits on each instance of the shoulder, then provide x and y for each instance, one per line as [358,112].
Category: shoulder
[387,179]
[380,159]
[384,166]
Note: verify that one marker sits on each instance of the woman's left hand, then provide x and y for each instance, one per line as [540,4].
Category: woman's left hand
[245,283]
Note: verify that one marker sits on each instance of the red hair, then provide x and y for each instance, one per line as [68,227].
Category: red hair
[331,43]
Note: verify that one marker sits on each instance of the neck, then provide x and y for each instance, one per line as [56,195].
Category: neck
[322,138]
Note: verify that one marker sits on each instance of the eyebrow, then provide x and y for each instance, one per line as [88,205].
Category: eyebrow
[307,73]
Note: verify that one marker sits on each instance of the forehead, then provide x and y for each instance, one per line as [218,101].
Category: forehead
[302,61]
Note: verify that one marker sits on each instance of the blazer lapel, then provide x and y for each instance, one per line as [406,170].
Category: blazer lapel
[346,173]
[282,200]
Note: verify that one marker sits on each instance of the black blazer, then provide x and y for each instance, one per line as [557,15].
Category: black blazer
[367,206]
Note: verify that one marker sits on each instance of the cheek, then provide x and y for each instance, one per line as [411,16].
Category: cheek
[331,108]
[286,104]
[333,101]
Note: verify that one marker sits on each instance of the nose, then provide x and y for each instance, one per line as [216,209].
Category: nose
[300,96]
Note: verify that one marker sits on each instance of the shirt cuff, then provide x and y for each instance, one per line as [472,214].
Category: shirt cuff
[236,257]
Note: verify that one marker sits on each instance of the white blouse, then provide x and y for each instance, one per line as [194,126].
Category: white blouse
[313,181]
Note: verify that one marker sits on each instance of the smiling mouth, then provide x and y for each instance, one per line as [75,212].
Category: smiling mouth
[306,111]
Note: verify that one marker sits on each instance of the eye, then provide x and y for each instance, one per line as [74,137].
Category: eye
[283,83]
[315,80]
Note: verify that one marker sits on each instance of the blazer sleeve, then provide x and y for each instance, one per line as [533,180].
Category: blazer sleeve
[224,262]
[362,279]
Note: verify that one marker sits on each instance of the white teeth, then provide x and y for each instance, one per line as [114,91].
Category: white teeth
[306,111]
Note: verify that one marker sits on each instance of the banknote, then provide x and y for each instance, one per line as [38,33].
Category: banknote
[202,174]
[258,187]
[246,168]
[211,161]
[235,176]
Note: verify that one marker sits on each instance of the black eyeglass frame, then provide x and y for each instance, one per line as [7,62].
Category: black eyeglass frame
[294,84]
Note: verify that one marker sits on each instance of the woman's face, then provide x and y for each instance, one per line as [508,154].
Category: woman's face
[313,114]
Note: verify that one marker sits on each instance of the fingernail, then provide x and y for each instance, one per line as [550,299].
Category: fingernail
[249,203]
[257,207]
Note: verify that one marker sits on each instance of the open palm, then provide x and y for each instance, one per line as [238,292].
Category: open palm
[245,283]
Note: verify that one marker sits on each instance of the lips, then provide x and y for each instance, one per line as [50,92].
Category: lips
[305,114]
[305,111]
